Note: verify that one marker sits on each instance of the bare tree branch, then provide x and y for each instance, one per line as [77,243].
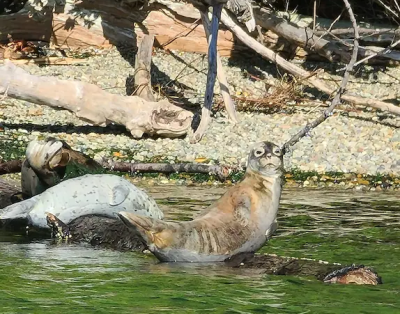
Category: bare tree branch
[299,72]
[336,100]
[222,172]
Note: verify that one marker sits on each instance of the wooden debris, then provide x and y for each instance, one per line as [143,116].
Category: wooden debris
[143,69]
[92,104]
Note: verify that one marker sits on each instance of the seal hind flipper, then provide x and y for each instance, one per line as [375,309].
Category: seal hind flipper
[154,232]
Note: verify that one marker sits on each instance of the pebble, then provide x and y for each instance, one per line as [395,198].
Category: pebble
[362,142]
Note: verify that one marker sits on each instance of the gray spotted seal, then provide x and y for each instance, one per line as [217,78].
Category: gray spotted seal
[92,194]
[239,222]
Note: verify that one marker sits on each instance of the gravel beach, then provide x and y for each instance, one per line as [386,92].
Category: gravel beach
[360,142]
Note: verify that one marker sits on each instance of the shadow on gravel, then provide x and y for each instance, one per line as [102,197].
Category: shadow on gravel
[67,128]
[70,129]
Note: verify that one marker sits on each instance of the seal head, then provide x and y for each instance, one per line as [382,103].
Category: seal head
[266,158]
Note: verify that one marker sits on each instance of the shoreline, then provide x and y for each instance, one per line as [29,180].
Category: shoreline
[357,144]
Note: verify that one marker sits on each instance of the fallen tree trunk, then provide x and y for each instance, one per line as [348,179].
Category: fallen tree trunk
[222,172]
[333,50]
[94,105]
[7,189]
[102,24]
[324,271]
[12,166]
[22,25]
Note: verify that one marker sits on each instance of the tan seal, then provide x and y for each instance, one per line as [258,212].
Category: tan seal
[239,222]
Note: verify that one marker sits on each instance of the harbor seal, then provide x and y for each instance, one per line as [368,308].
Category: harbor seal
[46,165]
[239,222]
[91,194]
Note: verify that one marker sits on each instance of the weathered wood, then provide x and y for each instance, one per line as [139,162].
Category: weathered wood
[333,50]
[7,189]
[297,71]
[124,25]
[12,166]
[143,69]
[221,172]
[223,82]
[92,104]
[22,25]
[302,37]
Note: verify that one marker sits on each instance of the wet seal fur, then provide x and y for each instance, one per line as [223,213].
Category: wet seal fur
[356,274]
[239,222]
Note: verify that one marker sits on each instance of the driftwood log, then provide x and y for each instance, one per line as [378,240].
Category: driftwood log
[112,233]
[221,172]
[92,104]
[102,23]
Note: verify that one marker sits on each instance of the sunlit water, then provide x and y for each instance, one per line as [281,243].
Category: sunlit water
[345,227]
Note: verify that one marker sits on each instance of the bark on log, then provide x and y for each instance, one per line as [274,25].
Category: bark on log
[222,172]
[304,38]
[143,69]
[333,51]
[94,105]
[7,189]
[22,25]
[12,166]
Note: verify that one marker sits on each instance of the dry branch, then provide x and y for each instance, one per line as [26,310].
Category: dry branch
[222,172]
[143,69]
[92,104]
[299,72]
[303,37]
[336,100]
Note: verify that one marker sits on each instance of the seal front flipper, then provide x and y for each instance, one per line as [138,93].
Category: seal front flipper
[119,194]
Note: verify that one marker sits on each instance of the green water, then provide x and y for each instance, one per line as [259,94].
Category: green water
[345,227]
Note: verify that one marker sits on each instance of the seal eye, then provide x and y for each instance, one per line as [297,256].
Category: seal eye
[259,152]
[277,151]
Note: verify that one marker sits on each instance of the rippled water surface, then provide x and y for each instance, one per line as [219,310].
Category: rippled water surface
[345,227]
